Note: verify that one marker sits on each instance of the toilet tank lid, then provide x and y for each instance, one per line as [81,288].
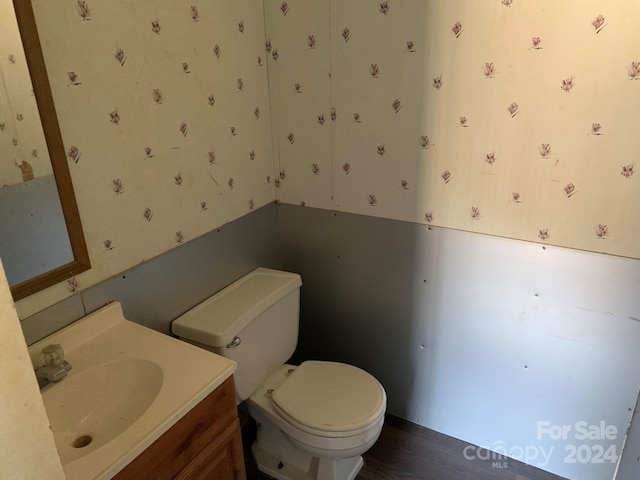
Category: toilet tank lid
[219,318]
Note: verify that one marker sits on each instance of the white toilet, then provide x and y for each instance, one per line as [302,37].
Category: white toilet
[314,421]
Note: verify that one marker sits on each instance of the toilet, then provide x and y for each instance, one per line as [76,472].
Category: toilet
[314,420]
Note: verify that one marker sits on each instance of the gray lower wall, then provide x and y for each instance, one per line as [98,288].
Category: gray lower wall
[161,289]
[494,341]
[629,467]
[477,337]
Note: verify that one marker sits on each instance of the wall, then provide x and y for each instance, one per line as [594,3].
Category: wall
[510,118]
[629,466]
[561,347]
[164,113]
[152,294]
[299,48]
[156,292]
[23,150]
[475,336]
[27,448]
[125,81]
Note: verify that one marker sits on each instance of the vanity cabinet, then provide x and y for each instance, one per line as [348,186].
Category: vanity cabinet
[204,445]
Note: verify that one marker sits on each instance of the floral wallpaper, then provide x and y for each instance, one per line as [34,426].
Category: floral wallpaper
[503,117]
[299,55]
[23,149]
[164,112]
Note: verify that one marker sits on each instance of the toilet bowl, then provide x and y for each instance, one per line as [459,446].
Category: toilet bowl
[330,412]
[314,420]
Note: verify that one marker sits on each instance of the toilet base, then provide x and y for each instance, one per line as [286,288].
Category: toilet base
[278,457]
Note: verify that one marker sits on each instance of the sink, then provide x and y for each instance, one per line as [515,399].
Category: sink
[95,406]
[127,386]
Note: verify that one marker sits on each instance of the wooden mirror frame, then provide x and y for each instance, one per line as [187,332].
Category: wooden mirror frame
[53,137]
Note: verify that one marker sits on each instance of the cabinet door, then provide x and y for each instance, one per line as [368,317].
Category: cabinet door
[185,441]
[222,459]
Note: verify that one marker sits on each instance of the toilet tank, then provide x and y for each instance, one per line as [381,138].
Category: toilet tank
[253,321]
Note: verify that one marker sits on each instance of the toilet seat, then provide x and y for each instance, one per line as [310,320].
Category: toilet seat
[330,399]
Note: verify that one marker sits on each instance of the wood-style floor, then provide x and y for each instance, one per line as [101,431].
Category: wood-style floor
[406,451]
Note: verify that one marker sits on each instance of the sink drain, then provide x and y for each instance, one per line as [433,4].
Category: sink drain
[82,441]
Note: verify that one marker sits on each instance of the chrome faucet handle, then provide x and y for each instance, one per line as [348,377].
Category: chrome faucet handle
[54,367]
[52,355]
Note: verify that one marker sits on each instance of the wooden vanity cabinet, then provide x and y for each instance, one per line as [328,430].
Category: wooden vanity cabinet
[204,445]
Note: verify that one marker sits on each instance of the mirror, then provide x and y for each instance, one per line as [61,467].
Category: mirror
[64,245]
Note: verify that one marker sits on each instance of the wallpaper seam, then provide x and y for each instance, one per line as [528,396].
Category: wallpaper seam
[275,147]
[333,88]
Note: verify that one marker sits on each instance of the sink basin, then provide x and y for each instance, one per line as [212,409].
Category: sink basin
[98,404]
[127,386]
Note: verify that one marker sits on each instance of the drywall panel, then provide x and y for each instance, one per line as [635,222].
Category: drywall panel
[514,119]
[27,448]
[629,467]
[156,292]
[52,319]
[495,341]
[164,113]
[299,44]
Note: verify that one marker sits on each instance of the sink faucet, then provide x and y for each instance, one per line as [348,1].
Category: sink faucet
[54,367]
